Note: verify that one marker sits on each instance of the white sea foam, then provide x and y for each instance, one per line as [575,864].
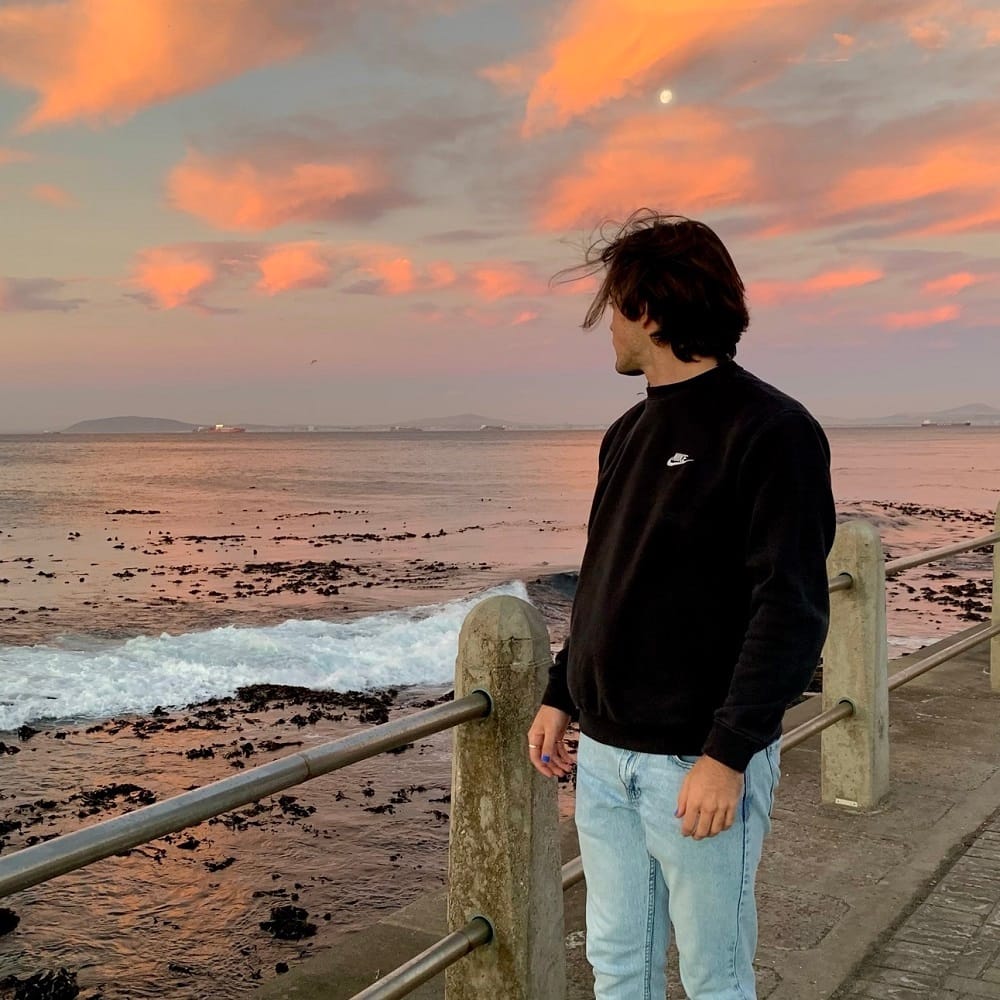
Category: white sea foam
[415,646]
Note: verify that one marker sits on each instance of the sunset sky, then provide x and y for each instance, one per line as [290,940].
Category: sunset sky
[335,212]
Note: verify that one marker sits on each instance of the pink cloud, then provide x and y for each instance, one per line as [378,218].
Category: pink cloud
[597,52]
[951,284]
[247,195]
[387,270]
[525,316]
[696,157]
[920,318]
[776,292]
[441,274]
[501,280]
[8,155]
[957,164]
[52,195]
[929,35]
[394,275]
[174,276]
[291,266]
[104,60]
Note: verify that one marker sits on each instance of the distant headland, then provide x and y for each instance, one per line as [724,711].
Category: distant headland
[471,422]
[972,415]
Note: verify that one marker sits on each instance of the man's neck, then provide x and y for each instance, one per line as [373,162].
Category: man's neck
[666,369]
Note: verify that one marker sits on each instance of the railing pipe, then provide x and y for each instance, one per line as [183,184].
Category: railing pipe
[572,872]
[47,860]
[921,666]
[933,555]
[844,710]
[403,981]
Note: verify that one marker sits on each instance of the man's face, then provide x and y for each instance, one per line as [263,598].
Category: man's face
[631,342]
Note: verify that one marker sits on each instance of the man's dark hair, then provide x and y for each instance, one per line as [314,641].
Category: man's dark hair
[679,273]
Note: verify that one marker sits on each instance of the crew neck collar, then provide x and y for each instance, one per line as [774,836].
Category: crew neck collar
[699,381]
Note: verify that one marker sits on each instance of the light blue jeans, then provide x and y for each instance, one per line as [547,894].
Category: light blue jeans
[642,876]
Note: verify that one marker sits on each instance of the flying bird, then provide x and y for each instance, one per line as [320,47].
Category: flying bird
[314,360]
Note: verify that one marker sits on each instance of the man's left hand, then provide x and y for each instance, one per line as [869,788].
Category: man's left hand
[709,797]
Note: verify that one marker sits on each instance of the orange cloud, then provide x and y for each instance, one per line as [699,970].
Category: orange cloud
[929,35]
[525,316]
[104,60]
[441,275]
[600,52]
[291,266]
[691,157]
[920,318]
[502,280]
[13,156]
[957,165]
[385,270]
[173,276]
[952,284]
[774,292]
[395,275]
[52,195]
[244,195]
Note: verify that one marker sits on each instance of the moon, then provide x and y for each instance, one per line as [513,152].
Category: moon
[666,96]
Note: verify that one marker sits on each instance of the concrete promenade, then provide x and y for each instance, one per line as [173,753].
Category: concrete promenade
[899,904]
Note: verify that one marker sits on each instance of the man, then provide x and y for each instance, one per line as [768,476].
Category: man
[700,614]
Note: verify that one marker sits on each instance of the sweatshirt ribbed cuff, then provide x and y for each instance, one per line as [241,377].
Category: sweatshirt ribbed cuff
[557,696]
[729,748]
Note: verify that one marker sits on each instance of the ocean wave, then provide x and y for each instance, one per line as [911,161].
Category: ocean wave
[396,648]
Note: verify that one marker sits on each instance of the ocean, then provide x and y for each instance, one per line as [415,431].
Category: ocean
[154,578]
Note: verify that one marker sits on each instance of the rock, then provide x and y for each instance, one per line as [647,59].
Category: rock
[288,923]
[59,985]
[8,921]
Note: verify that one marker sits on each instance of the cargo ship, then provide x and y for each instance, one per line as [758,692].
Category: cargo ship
[219,429]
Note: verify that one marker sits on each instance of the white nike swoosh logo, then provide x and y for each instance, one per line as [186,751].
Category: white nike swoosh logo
[678,460]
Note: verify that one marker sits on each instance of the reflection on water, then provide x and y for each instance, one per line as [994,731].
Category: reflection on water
[177,918]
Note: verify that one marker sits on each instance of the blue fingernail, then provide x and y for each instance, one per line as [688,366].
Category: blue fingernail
[545,758]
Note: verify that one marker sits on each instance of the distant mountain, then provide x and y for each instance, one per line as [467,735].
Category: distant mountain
[978,414]
[130,425]
[459,422]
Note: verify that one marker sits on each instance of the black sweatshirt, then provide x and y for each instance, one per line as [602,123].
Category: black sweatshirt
[702,604]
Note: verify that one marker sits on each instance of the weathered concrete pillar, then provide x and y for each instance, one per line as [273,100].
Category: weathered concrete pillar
[855,752]
[504,859]
[995,641]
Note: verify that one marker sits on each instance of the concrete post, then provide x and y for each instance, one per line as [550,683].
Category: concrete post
[995,641]
[854,762]
[504,859]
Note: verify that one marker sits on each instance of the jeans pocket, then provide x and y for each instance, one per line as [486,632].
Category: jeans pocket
[684,760]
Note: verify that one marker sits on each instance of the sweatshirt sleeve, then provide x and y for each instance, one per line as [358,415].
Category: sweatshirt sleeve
[557,692]
[786,504]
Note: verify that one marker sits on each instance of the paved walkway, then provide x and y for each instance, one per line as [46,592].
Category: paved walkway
[899,904]
[948,948]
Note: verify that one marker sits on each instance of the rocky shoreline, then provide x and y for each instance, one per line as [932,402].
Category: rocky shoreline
[246,895]
[276,878]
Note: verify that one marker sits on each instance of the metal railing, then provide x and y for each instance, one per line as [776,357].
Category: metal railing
[424,967]
[843,581]
[42,862]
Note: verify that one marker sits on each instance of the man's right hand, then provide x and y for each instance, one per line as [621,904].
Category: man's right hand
[545,746]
